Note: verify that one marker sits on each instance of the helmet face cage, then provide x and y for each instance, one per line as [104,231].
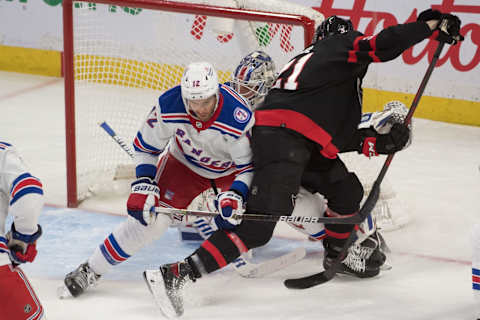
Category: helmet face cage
[331,26]
[199,81]
[255,74]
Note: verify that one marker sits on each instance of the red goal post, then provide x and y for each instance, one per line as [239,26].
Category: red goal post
[110,77]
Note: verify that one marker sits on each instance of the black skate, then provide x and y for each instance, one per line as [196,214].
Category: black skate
[363,260]
[80,279]
[166,286]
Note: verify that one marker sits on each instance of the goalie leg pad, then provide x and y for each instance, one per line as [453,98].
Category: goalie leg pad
[310,205]
[20,300]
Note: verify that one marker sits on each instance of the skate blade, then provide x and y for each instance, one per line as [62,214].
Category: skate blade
[63,292]
[386,267]
[156,285]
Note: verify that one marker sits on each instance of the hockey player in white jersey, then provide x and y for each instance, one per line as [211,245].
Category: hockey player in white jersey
[197,133]
[21,197]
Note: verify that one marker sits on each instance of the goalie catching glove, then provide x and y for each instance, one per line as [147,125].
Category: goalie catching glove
[143,200]
[23,247]
[228,204]
[384,132]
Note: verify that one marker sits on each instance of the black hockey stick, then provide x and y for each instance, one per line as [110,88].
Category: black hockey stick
[369,204]
[354,219]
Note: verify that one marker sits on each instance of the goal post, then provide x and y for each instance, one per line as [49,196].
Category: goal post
[120,55]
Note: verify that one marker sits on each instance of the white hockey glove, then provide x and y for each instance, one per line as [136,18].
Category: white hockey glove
[205,227]
[23,247]
[143,199]
[228,204]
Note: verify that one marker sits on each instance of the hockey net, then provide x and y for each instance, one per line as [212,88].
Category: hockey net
[120,55]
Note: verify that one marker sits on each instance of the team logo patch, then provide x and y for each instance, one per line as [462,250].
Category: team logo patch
[27,308]
[241,115]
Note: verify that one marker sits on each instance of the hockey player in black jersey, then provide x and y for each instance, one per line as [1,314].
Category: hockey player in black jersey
[310,116]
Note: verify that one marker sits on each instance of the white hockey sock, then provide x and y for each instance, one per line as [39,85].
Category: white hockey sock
[98,263]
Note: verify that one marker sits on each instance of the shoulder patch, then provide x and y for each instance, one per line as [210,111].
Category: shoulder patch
[241,115]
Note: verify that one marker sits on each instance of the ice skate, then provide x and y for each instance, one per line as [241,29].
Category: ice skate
[78,281]
[364,260]
[166,286]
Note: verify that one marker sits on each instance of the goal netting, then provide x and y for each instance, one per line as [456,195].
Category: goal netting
[121,55]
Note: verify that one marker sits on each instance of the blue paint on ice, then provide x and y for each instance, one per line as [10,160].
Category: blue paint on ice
[71,235]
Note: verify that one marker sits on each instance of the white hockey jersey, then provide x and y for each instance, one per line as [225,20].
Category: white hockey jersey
[212,149]
[21,196]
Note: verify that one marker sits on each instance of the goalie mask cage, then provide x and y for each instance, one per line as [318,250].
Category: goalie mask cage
[120,55]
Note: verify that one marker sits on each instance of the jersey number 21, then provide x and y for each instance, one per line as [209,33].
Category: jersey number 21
[294,68]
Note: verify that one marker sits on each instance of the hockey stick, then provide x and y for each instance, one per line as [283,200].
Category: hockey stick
[249,269]
[353,219]
[328,274]
[105,126]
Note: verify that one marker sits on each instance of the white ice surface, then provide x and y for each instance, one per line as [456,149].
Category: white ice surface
[437,177]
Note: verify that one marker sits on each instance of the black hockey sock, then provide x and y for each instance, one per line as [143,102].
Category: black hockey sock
[197,266]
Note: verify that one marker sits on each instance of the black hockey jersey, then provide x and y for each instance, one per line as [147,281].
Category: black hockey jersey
[318,93]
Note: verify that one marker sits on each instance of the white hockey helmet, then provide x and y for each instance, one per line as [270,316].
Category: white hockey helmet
[199,81]
[255,73]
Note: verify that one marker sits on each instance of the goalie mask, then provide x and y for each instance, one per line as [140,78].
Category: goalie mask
[254,76]
[331,26]
[199,82]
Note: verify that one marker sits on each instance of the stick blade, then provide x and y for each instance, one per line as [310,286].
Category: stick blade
[308,282]
[248,269]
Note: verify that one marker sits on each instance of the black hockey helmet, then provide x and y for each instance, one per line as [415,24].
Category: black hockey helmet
[332,25]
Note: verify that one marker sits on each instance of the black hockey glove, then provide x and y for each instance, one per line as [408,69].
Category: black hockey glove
[448,26]
[373,143]
[449,29]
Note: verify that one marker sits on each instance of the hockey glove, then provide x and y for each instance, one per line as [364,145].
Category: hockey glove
[143,199]
[228,204]
[374,144]
[449,28]
[205,227]
[23,247]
